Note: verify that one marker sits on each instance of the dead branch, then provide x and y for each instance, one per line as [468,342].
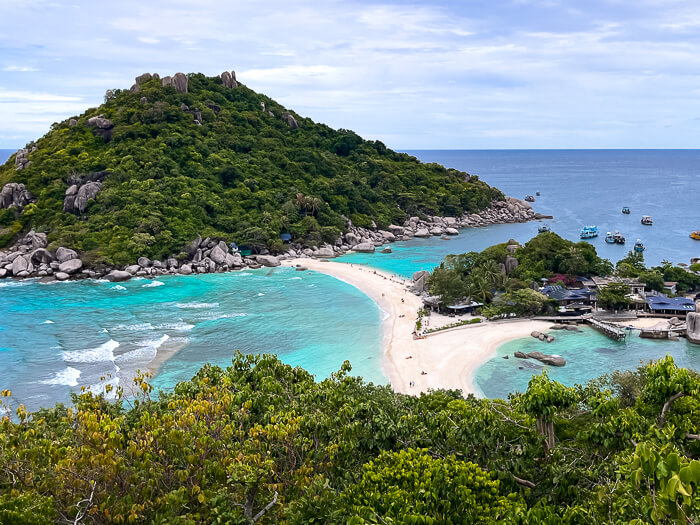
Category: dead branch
[667,407]
[266,508]
[523,482]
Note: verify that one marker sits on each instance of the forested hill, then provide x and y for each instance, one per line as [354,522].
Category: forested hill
[171,158]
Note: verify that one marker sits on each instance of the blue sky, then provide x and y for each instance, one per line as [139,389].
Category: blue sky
[439,74]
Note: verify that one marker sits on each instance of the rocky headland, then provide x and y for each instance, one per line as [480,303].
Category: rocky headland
[31,258]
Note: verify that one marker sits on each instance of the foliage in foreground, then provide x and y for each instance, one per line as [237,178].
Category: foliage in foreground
[243,175]
[262,442]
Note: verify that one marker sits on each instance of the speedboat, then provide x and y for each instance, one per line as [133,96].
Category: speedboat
[588,232]
[695,235]
[647,220]
[626,210]
[639,246]
[543,228]
[529,198]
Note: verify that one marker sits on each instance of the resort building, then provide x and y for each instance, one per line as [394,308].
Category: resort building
[669,306]
[578,299]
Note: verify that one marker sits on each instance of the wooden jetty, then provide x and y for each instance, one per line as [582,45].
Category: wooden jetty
[611,330]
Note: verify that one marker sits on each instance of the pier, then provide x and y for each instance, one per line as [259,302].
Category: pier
[611,330]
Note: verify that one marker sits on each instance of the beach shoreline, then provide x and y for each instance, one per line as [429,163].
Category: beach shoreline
[442,360]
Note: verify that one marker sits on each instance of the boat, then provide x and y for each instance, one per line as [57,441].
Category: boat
[538,193]
[647,220]
[626,210]
[544,228]
[609,238]
[588,232]
[695,235]
[619,238]
[529,198]
[639,246]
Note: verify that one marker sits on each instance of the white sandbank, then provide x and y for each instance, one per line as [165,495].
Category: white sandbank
[449,359]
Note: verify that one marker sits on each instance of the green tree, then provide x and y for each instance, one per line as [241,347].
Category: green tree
[411,486]
[614,296]
[543,399]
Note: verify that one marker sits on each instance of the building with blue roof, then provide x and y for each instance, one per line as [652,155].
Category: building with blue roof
[673,306]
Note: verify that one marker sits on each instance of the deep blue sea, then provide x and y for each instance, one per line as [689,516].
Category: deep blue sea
[58,337]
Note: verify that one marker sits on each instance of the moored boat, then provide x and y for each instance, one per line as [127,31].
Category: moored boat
[695,235]
[529,198]
[609,238]
[588,232]
[619,238]
[543,228]
[537,193]
[647,220]
[626,210]
[639,246]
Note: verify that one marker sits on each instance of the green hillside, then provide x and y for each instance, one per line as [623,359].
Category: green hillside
[222,162]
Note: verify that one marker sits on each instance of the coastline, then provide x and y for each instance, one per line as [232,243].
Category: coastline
[449,359]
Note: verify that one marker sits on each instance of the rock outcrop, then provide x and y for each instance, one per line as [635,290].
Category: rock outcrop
[22,158]
[267,260]
[71,266]
[65,254]
[117,276]
[552,360]
[290,120]
[101,127]
[15,195]
[229,79]
[179,82]
[364,247]
[692,320]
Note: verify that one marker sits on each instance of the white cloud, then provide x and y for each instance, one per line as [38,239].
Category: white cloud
[528,73]
[20,69]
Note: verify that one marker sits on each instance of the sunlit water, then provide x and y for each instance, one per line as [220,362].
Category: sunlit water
[588,353]
[55,338]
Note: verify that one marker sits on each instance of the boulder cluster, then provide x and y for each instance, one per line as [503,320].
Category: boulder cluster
[15,195]
[214,255]
[178,81]
[229,79]
[82,189]
[101,127]
[22,157]
[30,258]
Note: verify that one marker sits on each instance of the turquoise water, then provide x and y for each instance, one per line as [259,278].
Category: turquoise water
[588,354]
[60,336]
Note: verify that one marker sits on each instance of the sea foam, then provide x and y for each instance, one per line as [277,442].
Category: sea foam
[69,377]
[146,350]
[153,284]
[104,352]
[197,305]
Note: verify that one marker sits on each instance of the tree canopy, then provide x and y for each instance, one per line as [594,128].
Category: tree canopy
[262,442]
[243,175]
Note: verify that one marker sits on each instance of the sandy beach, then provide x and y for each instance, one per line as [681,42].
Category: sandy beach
[446,359]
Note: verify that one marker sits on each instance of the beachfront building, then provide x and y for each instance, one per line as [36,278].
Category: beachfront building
[662,306]
[572,301]
[464,307]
